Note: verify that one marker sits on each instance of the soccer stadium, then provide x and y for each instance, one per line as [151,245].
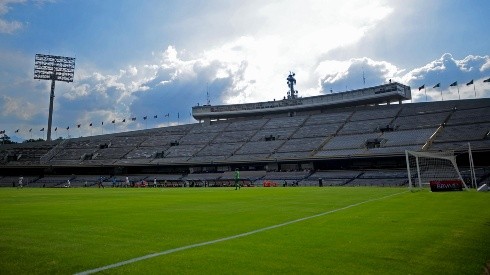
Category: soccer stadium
[354,138]
[167,137]
[324,187]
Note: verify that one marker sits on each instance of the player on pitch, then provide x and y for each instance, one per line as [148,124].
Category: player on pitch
[237,179]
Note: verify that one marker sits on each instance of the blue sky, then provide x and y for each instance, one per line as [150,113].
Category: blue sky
[145,58]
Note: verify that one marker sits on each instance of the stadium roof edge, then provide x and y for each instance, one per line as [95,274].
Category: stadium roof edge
[386,93]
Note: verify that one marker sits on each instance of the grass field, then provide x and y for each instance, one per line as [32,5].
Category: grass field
[368,231]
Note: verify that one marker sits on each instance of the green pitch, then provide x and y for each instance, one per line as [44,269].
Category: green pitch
[363,230]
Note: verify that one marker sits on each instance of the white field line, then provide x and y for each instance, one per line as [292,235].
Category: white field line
[149,256]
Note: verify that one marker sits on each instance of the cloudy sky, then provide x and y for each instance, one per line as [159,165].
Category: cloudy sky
[152,58]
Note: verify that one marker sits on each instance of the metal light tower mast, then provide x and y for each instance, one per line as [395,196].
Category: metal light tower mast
[54,68]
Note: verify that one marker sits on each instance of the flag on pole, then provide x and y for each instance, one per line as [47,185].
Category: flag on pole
[78,126]
[56,129]
[178,115]
[155,116]
[68,128]
[17,130]
[42,130]
[167,114]
[437,85]
[472,83]
[422,87]
[455,83]
[114,121]
[145,117]
[124,120]
[30,130]
[487,80]
[90,125]
[102,123]
[133,118]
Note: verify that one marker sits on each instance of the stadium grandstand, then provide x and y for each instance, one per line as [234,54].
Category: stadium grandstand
[353,138]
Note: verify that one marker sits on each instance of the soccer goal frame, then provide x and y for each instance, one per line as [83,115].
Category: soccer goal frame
[424,167]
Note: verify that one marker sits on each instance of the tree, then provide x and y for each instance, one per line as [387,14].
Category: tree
[6,140]
[33,140]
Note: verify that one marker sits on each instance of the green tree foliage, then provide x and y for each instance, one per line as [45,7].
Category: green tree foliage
[6,140]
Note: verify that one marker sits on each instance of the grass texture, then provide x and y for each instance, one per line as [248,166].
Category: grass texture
[65,231]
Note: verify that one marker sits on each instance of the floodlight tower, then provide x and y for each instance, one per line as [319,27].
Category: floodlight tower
[54,68]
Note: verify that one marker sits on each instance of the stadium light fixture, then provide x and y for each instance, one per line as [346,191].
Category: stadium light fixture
[54,68]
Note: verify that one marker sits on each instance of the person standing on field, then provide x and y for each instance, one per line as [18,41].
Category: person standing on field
[237,179]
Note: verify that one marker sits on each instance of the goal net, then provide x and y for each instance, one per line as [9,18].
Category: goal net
[426,167]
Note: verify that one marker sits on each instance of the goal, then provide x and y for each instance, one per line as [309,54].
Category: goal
[426,167]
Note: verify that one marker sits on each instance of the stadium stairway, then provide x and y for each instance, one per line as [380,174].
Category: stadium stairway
[352,179]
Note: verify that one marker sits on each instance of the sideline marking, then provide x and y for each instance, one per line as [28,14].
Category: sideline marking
[153,255]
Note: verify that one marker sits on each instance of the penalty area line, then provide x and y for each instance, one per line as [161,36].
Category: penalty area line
[153,255]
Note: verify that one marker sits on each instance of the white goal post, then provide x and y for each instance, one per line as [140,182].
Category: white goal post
[424,167]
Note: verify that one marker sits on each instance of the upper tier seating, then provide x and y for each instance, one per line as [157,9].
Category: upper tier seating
[335,133]
[328,118]
[376,112]
[476,115]
[421,121]
[364,126]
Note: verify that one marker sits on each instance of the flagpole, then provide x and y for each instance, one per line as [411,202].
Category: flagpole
[442,97]
[474,89]
[455,83]
[425,91]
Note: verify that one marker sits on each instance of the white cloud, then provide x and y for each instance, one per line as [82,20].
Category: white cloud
[7,26]
[354,73]
[4,5]
[447,70]
[287,35]
[20,108]
[11,26]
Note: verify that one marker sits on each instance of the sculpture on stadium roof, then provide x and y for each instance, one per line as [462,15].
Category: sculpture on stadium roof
[292,94]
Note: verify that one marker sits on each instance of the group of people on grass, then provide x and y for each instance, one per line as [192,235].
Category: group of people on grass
[127,183]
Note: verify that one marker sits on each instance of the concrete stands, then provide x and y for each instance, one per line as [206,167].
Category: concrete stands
[310,138]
